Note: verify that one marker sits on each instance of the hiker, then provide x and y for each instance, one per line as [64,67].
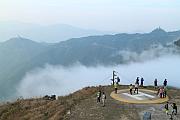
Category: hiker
[103,98]
[174,107]
[137,80]
[165,82]
[130,88]
[161,92]
[155,83]
[142,81]
[136,87]
[99,96]
[166,108]
[115,87]
[165,92]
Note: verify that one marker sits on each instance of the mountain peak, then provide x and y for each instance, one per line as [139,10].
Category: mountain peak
[158,31]
[19,40]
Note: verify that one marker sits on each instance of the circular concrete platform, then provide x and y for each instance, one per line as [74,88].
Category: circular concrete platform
[144,96]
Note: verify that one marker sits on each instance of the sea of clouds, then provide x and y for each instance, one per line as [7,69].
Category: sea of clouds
[61,80]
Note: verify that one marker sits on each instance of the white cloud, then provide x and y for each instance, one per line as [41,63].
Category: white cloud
[60,80]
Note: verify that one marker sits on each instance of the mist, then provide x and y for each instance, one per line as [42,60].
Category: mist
[61,80]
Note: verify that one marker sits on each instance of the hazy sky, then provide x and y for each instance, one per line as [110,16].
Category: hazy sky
[111,15]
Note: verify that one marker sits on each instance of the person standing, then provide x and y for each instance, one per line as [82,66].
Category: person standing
[115,87]
[165,92]
[161,92]
[165,82]
[155,83]
[136,87]
[99,96]
[137,80]
[131,88]
[103,98]
[166,108]
[174,107]
[142,81]
[118,80]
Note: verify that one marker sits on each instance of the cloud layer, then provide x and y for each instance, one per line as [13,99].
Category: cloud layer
[61,81]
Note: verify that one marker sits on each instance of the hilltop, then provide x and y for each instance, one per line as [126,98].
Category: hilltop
[82,105]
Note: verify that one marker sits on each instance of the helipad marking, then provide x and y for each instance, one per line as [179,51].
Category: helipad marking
[133,96]
[139,96]
[147,95]
[156,99]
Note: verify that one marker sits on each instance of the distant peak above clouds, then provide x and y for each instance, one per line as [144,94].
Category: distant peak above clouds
[158,31]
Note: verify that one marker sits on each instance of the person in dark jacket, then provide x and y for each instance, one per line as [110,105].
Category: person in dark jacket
[166,107]
[155,83]
[137,80]
[174,107]
[165,82]
[142,81]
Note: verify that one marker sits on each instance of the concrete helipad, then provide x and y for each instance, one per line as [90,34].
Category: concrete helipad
[144,96]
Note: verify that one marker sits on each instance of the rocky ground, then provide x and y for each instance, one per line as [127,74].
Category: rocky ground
[82,105]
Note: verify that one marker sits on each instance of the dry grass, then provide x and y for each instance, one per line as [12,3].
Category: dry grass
[39,109]
[78,103]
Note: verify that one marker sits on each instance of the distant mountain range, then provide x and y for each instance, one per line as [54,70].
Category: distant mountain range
[20,55]
[44,33]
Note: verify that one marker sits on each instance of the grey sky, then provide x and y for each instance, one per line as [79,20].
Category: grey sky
[111,15]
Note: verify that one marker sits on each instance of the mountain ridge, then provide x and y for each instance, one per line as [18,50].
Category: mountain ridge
[20,55]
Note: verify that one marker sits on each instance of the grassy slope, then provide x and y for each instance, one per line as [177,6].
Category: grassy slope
[81,105]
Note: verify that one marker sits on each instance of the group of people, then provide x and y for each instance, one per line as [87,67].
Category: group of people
[174,108]
[156,83]
[162,90]
[142,81]
[101,97]
[136,86]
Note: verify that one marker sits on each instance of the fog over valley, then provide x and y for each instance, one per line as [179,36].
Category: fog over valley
[62,80]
